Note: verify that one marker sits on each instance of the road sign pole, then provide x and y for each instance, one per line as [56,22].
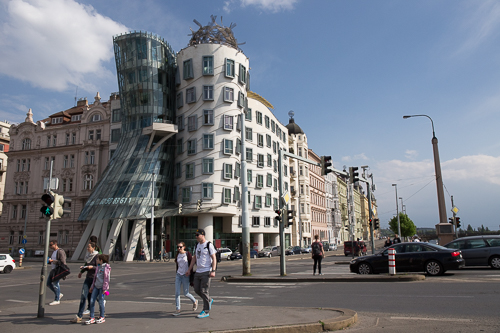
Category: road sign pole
[43,277]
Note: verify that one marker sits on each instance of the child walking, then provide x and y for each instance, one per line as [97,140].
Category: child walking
[182,261]
[100,285]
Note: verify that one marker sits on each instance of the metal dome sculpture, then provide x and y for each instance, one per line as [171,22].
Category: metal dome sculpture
[214,33]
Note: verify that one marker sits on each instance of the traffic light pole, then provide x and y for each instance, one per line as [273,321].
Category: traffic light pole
[282,222]
[44,277]
[245,224]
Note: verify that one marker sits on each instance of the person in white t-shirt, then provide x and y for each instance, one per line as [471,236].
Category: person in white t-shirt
[206,263]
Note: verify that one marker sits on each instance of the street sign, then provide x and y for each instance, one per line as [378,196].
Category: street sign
[21,251]
[25,236]
[455,209]
[24,241]
[286,197]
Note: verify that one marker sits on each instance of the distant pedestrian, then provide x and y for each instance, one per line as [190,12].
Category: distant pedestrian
[318,253]
[182,263]
[396,239]
[142,255]
[89,267]
[57,258]
[388,242]
[206,263]
[100,285]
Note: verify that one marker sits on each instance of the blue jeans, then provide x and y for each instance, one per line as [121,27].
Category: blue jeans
[184,280]
[54,286]
[85,295]
[97,294]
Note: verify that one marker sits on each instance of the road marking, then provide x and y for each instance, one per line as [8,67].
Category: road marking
[433,319]
[420,296]
[17,301]
[18,285]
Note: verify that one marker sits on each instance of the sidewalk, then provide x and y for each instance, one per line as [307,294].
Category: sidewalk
[129,317]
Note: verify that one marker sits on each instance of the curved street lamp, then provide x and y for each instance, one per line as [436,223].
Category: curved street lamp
[437,167]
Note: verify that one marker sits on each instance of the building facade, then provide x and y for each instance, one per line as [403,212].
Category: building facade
[4,148]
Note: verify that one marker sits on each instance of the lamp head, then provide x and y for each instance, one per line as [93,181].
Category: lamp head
[406,117]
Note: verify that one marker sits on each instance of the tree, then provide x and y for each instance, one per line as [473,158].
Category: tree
[408,228]
[470,228]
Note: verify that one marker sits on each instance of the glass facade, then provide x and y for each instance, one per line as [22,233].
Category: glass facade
[146,68]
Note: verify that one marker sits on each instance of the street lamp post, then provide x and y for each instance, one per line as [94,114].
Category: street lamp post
[397,210]
[437,167]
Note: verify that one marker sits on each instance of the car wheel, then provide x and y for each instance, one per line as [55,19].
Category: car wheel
[228,257]
[7,269]
[495,262]
[255,256]
[432,267]
[364,268]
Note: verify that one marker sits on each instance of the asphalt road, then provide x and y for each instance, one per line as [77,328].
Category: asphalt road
[466,300]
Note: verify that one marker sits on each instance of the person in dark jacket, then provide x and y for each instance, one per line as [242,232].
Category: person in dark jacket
[89,267]
[57,258]
[396,239]
[388,242]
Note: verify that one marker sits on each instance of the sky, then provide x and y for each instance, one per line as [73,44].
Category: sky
[349,70]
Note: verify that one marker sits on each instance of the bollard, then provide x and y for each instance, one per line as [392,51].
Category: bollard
[21,260]
[392,261]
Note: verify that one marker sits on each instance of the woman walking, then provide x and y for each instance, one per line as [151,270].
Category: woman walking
[318,253]
[182,262]
[89,267]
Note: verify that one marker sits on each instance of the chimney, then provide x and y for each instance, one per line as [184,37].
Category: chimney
[82,102]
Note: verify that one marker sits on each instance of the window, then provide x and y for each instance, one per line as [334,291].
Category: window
[228,122]
[91,135]
[273,125]
[115,135]
[268,140]
[275,166]
[96,117]
[179,100]
[192,123]
[67,139]
[268,199]
[255,221]
[260,181]
[228,94]
[208,93]
[260,140]
[227,195]
[208,65]
[260,160]
[237,170]
[180,123]
[266,121]
[57,120]
[238,146]
[269,160]
[186,194]
[248,134]
[258,117]
[229,68]
[76,117]
[98,134]
[26,144]
[249,154]
[14,211]
[179,146]
[228,171]
[207,190]
[228,147]
[275,185]
[243,74]
[88,182]
[249,176]
[248,114]
[54,140]
[274,147]
[70,185]
[269,181]
[189,170]
[208,141]
[191,95]
[116,116]
[65,161]
[178,170]
[72,161]
[241,99]
[48,140]
[191,147]
[188,69]
[236,193]
[73,138]
[208,166]
[285,170]
[208,117]
[267,221]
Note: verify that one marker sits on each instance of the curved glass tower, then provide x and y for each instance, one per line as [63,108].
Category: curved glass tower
[144,156]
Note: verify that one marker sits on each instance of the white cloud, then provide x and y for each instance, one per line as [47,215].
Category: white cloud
[361,156]
[411,154]
[266,5]
[54,44]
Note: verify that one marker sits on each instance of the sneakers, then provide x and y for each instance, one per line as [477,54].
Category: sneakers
[90,321]
[314,274]
[86,312]
[55,303]
[76,320]
[203,314]
[176,313]
[100,320]
[61,296]
[210,305]
[195,305]
[320,274]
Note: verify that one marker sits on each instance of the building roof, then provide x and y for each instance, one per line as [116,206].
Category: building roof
[293,128]
[259,98]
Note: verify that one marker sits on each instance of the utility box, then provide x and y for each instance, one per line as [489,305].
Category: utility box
[445,233]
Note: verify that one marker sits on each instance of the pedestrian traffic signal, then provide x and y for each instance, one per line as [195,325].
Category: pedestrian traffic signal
[376,224]
[180,208]
[59,209]
[326,163]
[457,221]
[289,218]
[47,210]
[198,205]
[278,214]
[353,174]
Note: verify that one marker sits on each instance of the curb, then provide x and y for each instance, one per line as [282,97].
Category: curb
[357,278]
[347,318]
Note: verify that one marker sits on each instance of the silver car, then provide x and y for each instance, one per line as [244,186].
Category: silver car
[478,250]
[269,251]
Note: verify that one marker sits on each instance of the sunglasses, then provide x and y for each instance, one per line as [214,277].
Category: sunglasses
[197,235]
[180,247]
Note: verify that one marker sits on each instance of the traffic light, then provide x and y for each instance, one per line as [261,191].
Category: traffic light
[278,214]
[47,210]
[289,217]
[353,174]
[457,221]
[198,206]
[180,208]
[59,209]
[370,222]
[451,220]
[376,224]
[326,163]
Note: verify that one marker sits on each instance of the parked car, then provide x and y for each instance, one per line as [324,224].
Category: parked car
[359,248]
[291,250]
[237,255]
[269,251]
[332,247]
[478,250]
[7,263]
[225,253]
[411,257]
[307,249]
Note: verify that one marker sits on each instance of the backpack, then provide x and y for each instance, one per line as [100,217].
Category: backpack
[216,253]
[316,249]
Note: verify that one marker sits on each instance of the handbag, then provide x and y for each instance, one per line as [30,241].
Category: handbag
[60,272]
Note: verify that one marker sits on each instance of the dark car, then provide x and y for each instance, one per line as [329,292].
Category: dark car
[411,257]
[236,255]
[291,250]
[478,250]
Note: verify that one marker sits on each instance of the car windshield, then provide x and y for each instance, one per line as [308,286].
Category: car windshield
[267,248]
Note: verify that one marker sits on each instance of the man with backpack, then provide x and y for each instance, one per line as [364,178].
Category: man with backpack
[206,264]
[318,254]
